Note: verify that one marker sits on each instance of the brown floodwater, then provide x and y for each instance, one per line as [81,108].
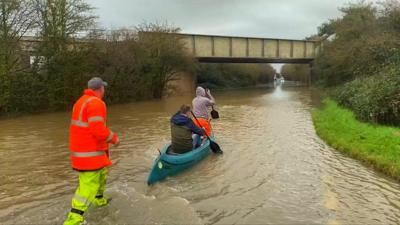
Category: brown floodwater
[275,169]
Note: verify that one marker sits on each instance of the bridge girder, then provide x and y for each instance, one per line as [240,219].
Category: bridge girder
[254,60]
[232,49]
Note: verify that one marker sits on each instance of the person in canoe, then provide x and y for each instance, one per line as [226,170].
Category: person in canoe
[201,102]
[182,128]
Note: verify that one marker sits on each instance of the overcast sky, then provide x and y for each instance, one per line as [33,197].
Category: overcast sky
[294,19]
[291,19]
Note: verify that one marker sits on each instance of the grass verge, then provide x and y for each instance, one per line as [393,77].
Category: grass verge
[378,146]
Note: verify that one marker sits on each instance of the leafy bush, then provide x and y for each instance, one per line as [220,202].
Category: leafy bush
[234,75]
[296,72]
[375,98]
[363,41]
[361,60]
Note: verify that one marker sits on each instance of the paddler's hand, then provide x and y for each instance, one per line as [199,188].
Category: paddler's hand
[208,92]
[204,130]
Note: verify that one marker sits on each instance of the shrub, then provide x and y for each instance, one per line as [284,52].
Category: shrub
[234,75]
[375,98]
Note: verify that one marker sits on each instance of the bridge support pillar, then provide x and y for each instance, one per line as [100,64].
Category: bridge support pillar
[311,74]
[183,83]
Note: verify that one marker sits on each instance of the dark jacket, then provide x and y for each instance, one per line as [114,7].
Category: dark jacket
[182,128]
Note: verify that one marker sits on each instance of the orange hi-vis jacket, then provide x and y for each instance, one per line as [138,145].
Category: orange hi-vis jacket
[89,135]
[203,123]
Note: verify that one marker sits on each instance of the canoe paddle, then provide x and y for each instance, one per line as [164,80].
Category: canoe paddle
[214,113]
[214,146]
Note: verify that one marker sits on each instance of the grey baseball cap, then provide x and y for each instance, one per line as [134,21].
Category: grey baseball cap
[96,83]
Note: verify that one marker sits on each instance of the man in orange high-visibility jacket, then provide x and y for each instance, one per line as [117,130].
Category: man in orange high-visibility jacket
[89,141]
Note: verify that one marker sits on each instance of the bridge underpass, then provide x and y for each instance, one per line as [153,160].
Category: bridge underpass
[233,49]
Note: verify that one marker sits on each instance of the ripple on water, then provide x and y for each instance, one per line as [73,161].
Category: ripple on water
[274,169]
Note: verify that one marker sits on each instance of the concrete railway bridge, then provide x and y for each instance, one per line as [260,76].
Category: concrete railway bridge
[233,49]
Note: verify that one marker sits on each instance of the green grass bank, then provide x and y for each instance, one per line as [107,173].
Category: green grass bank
[375,145]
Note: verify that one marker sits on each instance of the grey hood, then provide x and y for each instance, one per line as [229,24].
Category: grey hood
[200,92]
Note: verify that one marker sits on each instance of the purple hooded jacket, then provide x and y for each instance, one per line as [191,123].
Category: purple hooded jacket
[201,103]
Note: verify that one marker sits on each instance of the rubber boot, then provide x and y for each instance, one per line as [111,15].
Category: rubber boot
[74,219]
[102,201]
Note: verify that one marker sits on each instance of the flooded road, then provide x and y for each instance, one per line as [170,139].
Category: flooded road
[275,169]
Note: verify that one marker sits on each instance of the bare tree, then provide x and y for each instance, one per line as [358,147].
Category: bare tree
[17,18]
[164,52]
[61,21]
[61,52]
